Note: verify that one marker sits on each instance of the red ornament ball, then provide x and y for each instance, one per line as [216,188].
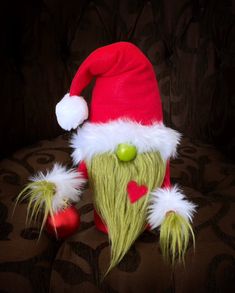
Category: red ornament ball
[64,223]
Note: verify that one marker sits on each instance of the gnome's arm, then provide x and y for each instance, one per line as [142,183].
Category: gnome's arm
[54,194]
[172,213]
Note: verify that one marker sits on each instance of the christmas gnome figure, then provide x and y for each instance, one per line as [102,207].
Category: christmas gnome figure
[123,149]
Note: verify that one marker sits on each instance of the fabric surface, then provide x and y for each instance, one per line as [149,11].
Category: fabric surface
[190,44]
[77,264]
[25,262]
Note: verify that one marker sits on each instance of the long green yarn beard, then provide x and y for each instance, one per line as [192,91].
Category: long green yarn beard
[109,178]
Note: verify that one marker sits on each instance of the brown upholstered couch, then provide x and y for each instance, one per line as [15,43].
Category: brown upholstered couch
[191,45]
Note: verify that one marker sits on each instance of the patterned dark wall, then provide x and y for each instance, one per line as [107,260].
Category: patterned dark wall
[190,43]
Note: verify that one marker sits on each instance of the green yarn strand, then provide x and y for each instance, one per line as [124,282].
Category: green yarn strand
[40,196]
[175,233]
[109,178]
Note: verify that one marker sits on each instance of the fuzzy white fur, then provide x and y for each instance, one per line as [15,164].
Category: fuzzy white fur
[168,199]
[96,138]
[68,184]
[71,111]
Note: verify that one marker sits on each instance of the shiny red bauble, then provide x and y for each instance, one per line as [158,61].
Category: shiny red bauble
[64,223]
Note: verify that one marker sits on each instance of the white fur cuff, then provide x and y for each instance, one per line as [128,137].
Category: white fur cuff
[168,199]
[71,111]
[96,138]
[68,185]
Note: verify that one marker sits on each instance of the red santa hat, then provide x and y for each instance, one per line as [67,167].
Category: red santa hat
[125,108]
[125,105]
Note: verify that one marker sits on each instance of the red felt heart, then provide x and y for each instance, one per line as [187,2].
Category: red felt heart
[135,191]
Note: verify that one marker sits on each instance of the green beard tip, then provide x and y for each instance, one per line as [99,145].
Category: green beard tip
[39,195]
[175,233]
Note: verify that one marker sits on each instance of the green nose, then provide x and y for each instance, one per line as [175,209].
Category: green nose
[126,152]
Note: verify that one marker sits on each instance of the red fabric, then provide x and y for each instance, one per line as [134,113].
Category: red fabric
[64,224]
[82,168]
[126,86]
[135,191]
[99,223]
[167,181]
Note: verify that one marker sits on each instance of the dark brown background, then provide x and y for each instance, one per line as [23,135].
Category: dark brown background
[190,43]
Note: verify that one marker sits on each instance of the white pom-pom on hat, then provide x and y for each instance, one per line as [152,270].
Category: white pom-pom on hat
[71,111]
